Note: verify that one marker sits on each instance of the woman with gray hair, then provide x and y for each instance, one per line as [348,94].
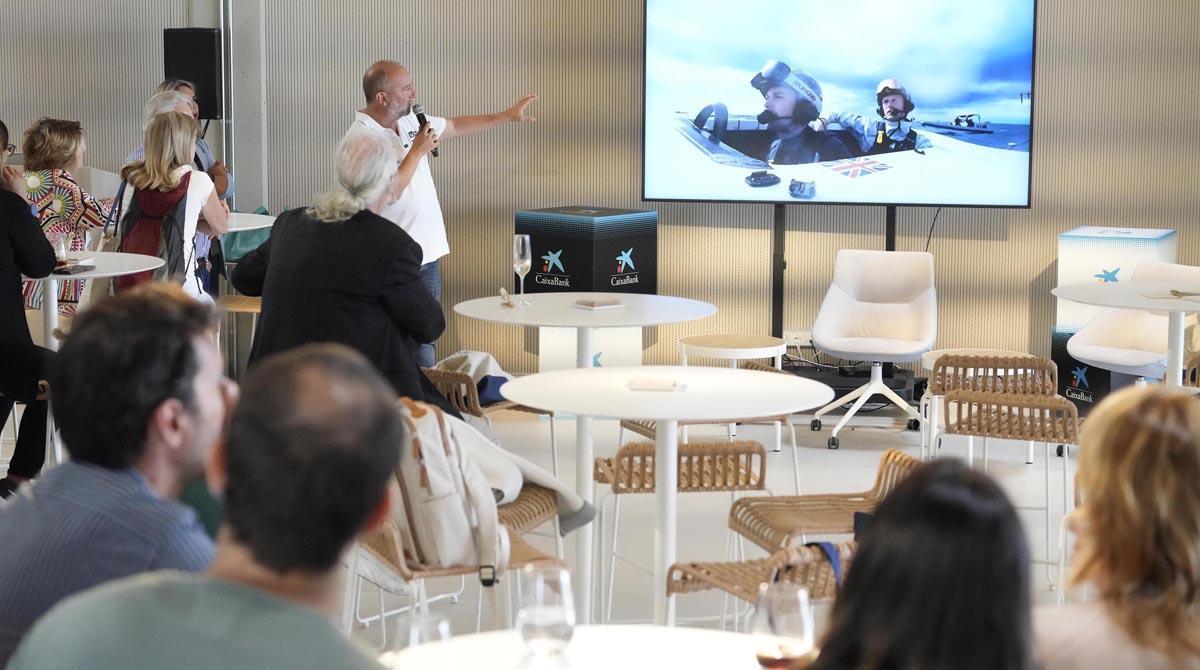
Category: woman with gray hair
[340,272]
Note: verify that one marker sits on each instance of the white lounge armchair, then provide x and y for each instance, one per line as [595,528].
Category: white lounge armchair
[1131,341]
[881,307]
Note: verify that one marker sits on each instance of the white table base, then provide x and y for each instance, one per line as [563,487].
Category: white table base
[584,455]
[666,481]
[1174,376]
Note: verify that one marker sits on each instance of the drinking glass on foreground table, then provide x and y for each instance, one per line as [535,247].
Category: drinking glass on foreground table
[547,617]
[417,628]
[522,260]
[782,625]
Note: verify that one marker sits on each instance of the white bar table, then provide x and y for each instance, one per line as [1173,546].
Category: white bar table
[107,264]
[1145,295]
[703,393]
[558,310]
[241,222]
[591,648]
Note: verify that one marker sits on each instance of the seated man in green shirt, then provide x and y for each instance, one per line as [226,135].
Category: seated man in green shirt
[304,474]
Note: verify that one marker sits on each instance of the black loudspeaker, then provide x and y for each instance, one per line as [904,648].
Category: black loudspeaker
[194,54]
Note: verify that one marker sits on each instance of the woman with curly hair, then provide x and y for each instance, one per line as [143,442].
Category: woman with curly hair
[1137,539]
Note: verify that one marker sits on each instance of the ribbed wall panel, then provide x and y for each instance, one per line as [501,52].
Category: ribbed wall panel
[1115,143]
[93,61]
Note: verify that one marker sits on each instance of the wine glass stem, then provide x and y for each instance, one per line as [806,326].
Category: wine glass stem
[522,288]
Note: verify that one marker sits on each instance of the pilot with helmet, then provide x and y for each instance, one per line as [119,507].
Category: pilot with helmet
[892,133]
[791,100]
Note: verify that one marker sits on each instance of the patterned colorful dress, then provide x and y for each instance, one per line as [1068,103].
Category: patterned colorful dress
[63,209]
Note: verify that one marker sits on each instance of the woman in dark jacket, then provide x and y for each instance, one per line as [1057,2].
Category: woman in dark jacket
[339,272]
[24,250]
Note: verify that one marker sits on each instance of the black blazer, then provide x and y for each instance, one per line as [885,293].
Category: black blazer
[356,282]
[24,250]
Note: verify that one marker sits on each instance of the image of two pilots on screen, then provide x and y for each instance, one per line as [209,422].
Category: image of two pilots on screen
[803,133]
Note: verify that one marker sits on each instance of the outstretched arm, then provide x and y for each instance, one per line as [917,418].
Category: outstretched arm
[467,125]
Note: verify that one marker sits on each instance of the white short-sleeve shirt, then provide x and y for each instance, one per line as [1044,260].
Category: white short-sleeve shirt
[418,211]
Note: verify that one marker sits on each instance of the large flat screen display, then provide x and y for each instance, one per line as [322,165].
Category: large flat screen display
[923,102]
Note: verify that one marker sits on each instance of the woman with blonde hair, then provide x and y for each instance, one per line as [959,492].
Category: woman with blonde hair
[171,203]
[1137,540]
[54,150]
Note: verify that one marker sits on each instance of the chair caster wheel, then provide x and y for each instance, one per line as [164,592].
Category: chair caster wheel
[833,443]
[914,424]
[815,425]
[1058,451]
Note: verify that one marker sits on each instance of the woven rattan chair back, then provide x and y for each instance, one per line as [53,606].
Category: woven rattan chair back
[1025,375]
[893,467]
[1031,418]
[459,389]
[703,466]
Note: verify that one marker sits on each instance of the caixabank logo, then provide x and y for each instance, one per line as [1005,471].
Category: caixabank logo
[1080,389]
[626,270]
[553,272]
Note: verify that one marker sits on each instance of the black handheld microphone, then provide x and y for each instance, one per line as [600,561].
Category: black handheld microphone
[422,121]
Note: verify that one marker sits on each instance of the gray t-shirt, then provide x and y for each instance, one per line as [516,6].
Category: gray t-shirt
[185,622]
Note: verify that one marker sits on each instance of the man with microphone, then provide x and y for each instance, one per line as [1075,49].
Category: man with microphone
[392,111]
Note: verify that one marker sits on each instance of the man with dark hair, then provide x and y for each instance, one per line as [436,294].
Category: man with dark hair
[304,472]
[141,402]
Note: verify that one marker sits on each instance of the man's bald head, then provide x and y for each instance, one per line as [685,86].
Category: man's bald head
[375,80]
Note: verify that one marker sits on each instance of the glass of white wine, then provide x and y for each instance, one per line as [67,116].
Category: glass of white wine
[782,625]
[547,618]
[522,256]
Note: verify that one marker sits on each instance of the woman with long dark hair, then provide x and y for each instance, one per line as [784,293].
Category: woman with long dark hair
[24,250]
[940,581]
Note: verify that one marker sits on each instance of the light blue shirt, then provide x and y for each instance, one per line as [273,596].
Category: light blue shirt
[186,622]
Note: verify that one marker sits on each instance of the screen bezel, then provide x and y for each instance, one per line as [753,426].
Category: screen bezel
[871,203]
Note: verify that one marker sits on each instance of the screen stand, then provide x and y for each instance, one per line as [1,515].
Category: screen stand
[889,231]
[778,265]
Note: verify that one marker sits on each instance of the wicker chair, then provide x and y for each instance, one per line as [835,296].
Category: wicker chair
[779,522]
[379,559]
[647,428]
[804,565]
[1019,375]
[460,390]
[703,467]
[1029,418]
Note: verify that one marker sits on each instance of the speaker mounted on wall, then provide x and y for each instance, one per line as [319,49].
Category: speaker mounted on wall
[194,54]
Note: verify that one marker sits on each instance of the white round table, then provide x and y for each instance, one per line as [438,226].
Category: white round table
[560,310]
[1152,296]
[704,393]
[107,263]
[241,222]
[591,648]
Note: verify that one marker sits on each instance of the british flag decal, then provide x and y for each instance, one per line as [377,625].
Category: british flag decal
[856,167]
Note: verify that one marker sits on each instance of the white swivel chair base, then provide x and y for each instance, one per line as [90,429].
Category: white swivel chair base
[860,396]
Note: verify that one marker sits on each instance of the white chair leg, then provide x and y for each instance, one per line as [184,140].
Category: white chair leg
[838,402]
[778,435]
[349,601]
[612,559]
[970,451]
[1029,455]
[553,450]
[985,455]
[862,400]
[795,458]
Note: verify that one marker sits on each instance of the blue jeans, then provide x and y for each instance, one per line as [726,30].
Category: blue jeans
[431,277]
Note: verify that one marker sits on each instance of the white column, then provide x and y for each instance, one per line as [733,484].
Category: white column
[666,480]
[584,349]
[1174,349]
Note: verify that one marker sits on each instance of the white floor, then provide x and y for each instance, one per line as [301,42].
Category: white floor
[702,516]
